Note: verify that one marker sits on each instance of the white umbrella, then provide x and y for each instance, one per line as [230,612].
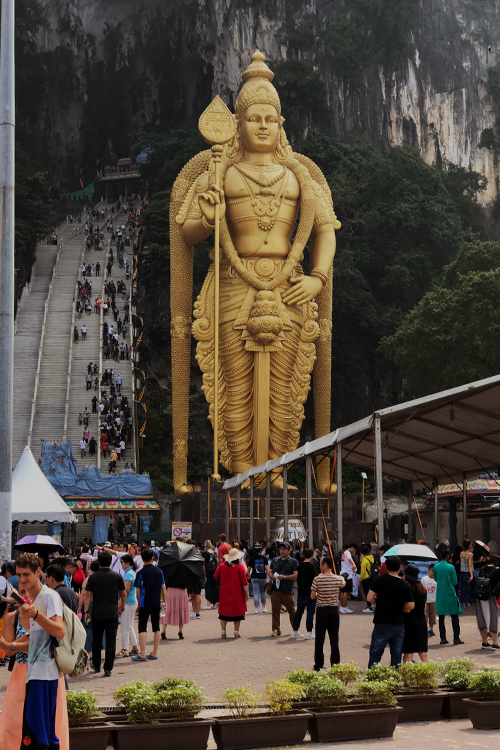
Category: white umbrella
[413,551]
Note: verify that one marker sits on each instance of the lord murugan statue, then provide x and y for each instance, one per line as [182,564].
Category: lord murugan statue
[274,322]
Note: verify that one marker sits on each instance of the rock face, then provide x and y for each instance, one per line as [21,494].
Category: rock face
[177,54]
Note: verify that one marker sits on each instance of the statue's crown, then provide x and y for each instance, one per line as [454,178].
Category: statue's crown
[257,88]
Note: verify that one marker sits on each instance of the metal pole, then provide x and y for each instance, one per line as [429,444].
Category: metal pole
[363,504]
[309,494]
[436,518]
[227,515]
[410,501]
[238,511]
[464,505]
[340,530]
[378,480]
[285,501]
[251,513]
[268,504]
[7,151]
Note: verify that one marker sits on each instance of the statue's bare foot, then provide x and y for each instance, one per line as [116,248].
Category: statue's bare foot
[277,483]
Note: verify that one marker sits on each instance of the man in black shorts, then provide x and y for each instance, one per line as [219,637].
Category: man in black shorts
[150,582]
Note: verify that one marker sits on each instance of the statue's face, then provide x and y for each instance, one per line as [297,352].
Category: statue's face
[259,131]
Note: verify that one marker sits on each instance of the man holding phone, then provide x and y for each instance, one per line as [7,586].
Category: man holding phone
[41,609]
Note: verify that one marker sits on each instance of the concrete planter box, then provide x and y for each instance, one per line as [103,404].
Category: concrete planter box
[261,730]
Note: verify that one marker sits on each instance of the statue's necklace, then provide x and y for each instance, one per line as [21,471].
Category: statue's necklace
[266,176]
[265,205]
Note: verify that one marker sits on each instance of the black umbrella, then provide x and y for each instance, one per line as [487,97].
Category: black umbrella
[181,564]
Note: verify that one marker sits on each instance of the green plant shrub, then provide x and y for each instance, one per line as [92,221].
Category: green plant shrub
[328,694]
[302,676]
[142,703]
[346,673]
[281,694]
[487,682]
[463,664]
[81,706]
[375,693]
[240,701]
[457,679]
[170,683]
[183,702]
[386,675]
[419,677]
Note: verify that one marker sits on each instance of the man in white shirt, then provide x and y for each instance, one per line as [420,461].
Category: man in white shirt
[347,569]
[44,610]
[83,447]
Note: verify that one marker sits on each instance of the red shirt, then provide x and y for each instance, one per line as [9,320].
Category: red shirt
[232,579]
[224,549]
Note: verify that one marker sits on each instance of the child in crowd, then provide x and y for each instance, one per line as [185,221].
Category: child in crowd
[430,607]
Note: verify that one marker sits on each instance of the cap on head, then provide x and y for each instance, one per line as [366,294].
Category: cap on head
[285,544]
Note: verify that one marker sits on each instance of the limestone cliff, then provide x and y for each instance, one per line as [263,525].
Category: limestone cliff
[170,57]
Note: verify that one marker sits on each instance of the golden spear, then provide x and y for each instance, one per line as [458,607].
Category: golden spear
[217,126]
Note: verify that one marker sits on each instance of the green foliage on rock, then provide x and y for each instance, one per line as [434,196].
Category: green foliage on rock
[446,340]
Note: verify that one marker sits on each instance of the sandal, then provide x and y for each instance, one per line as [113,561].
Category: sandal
[121,654]
[236,634]
[134,651]
[223,634]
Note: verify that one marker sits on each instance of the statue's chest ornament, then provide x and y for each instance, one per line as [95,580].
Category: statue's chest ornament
[266,203]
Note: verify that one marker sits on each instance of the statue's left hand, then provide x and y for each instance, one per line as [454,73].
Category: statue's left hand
[304,289]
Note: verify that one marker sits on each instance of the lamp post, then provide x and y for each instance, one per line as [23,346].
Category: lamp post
[7,150]
[364,476]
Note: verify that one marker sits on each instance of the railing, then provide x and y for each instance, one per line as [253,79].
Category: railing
[40,347]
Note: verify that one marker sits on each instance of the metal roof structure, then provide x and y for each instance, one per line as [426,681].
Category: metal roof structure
[443,437]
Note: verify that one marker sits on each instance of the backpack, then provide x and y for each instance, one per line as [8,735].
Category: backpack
[79,576]
[70,654]
[483,585]
[212,562]
[71,657]
[374,571]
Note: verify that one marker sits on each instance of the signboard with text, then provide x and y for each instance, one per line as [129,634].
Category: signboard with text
[182,530]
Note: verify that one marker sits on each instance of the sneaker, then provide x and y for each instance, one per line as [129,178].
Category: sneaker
[430,632]
[275,633]
[198,617]
[457,642]
[487,646]
[264,610]
[348,611]
[495,647]
[296,634]
[192,615]
[367,611]
[309,636]
[107,673]
[257,612]
[210,607]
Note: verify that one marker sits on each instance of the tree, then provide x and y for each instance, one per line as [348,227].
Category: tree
[449,338]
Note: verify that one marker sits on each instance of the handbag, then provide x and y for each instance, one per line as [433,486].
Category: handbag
[269,588]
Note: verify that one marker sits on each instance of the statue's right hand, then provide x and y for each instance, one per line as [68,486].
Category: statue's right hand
[207,202]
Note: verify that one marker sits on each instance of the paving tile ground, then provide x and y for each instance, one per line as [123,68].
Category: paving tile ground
[214,664]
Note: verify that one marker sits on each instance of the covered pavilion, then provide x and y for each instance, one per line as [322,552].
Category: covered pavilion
[443,437]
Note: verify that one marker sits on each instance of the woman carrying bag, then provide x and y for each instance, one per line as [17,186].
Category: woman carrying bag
[233,591]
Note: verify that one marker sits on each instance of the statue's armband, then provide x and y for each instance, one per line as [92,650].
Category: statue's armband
[323,213]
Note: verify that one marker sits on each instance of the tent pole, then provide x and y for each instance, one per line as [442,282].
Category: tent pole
[378,475]
[340,527]
[309,501]
[251,513]
[268,504]
[436,519]
[285,501]
[464,504]
[227,514]
[410,501]
[238,511]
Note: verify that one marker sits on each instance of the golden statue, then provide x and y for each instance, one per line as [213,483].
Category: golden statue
[274,321]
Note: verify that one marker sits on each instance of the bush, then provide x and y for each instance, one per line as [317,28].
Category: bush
[302,676]
[328,693]
[419,677]
[386,675]
[183,702]
[239,701]
[81,706]
[463,664]
[457,679]
[375,693]
[487,682]
[281,694]
[141,701]
[170,683]
[348,672]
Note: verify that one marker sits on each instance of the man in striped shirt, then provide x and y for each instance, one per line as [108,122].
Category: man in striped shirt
[326,590]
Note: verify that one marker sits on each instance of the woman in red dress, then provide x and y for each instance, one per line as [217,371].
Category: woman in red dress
[233,591]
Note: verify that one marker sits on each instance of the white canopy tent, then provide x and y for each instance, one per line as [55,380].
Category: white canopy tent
[33,497]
